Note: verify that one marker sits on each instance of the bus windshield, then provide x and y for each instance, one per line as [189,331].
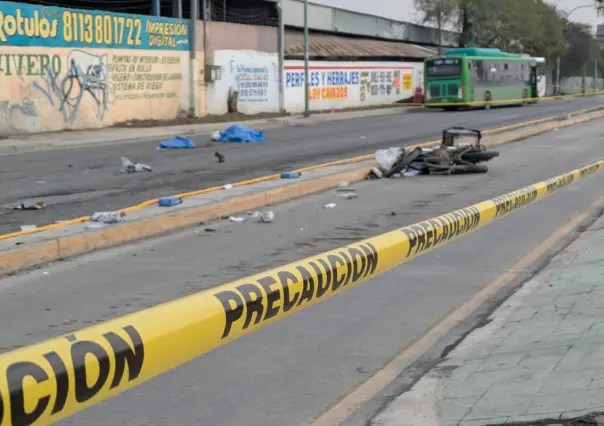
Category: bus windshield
[443,67]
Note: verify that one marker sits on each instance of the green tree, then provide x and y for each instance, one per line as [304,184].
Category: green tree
[524,26]
[439,12]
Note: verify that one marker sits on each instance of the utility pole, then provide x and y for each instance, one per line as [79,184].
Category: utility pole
[306,54]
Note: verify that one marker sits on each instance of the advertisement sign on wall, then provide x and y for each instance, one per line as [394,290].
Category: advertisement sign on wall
[70,68]
[255,75]
[336,85]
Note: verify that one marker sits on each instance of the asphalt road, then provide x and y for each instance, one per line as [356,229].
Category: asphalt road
[77,182]
[291,371]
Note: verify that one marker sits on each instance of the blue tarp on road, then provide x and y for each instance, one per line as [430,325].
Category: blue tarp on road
[177,142]
[237,133]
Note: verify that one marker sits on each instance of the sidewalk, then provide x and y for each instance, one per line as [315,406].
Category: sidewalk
[112,135]
[541,357]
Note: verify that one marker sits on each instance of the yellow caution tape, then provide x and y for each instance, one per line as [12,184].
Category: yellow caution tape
[46,382]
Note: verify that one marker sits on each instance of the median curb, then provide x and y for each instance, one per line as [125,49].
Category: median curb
[23,257]
[55,249]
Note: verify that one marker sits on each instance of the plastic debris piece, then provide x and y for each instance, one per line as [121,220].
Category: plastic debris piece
[267,217]
[177,142]
[131,167]
[30,205]
[221,158]
[28,227]
[228,186]
[290,175]
[412,172]
[236,219]
[387,157]
[169,201]
[215,135]
[348,195]
[375,173]
[210,230]
[343,184]
[330,206]
[108,217]
[238,133]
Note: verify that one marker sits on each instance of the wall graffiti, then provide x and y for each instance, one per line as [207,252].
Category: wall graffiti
[86,76]
[77,69]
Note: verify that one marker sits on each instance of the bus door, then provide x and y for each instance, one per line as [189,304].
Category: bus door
[534,83]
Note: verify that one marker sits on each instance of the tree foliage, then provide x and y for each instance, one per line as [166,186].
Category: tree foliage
[527,26]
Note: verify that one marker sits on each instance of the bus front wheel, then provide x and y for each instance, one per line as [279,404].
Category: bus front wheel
[487,100]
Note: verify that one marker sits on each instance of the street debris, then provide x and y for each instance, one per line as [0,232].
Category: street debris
[459,152]
[177,142]
[348,195]
[330,206]
[238,133]
[228,186]
[215,135]
[28,227]
[210,230]
[343,184]
[108,217]
[169,201]
[30,205]
[220,157]
[131,167]
[290,175]
[236,219]
[375,173]
[264,217]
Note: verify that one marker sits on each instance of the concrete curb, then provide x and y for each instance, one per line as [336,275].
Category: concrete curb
[62,248]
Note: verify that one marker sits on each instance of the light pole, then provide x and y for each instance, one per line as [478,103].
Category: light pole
[558,60]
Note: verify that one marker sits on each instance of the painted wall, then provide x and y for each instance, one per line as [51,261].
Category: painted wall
[79,69]
[255,75]
[337,85]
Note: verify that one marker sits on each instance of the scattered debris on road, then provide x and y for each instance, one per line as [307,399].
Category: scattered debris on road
[348,195]
[238,133]
[264,217]
[291,175]
[177,142]
[108,217]
[228,186]
[343,184]
[169,201]
[30,205]
[221,158]
[459,152]
[236,219]
[132,167]
[330,206]
[28,227]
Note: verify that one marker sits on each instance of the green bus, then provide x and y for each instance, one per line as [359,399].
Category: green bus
[468,77]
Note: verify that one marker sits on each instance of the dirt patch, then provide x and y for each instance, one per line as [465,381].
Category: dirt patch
[592,419]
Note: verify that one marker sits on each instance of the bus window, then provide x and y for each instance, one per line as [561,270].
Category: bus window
[443,67]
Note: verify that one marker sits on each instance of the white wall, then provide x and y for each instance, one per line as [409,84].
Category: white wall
[337,85]
[254,74]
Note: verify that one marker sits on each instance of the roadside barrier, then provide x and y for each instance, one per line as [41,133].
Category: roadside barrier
[252,181]
[46,382]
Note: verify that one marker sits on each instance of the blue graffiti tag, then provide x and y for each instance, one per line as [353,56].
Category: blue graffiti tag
[71,89]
